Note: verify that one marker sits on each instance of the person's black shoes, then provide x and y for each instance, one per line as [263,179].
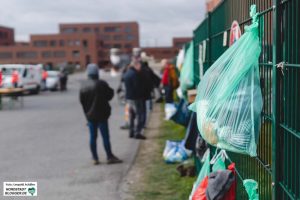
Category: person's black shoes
[113,160]
[140,137]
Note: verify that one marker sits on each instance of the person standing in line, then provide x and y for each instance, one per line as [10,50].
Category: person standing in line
[63,79]
[95,95]
[44,78]
[169,81]
[1,78]
[148,87]
[134,96]
[15,78]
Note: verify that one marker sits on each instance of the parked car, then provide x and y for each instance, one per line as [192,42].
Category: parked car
[30,76]
[52,81]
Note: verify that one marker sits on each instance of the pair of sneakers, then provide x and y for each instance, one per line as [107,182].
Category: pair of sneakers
[111,160]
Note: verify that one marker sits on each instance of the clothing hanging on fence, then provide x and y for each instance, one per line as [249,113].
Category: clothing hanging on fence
[192,133]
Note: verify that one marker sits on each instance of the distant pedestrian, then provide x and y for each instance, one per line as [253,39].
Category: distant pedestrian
[15,78]
[1,78]
[44,79]
[169,81]
[134,96]
[63,79]
[95,95]
[149,82]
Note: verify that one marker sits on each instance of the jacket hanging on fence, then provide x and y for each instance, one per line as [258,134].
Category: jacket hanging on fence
[191,133]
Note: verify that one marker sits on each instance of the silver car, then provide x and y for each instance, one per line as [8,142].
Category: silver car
[52,81]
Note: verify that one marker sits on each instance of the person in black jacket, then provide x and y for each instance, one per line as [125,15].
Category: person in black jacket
[95,95]
[134,84]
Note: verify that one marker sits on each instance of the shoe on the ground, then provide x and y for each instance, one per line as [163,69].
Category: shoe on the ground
[96,162]
[113,160]
[140,137]
[124,127]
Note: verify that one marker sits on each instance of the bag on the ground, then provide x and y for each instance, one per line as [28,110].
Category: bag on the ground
[175,152]
[170,110]
[229,100]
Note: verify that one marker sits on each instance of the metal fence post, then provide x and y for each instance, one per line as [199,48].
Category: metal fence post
[275,94]
[208,44]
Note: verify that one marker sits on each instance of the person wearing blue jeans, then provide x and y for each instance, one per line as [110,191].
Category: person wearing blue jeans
[103,127]
[95,95]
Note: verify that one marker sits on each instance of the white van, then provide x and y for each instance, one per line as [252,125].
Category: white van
[30,76]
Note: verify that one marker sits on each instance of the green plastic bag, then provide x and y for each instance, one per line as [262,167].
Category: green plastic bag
[229,100]
[251,187]
[187,71]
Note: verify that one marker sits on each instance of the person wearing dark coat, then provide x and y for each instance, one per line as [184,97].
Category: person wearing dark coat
[134,85]
[95,95]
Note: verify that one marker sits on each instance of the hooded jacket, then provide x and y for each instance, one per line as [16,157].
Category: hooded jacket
[94,98]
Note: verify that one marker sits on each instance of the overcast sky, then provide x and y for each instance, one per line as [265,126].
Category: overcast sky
[159,20]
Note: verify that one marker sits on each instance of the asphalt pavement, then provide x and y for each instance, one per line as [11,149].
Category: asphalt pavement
[46,142]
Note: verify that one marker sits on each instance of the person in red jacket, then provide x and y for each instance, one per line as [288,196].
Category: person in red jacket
[15,78]
[44,78]
[169,81]
[1,78]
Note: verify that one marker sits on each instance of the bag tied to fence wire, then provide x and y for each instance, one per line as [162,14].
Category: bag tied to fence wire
[229,100]
[187,71]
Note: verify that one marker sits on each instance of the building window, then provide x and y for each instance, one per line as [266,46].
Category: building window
[129,37]
[76,54]
[61,43]
[87,30]
[26,54]
[77,42]
[96,30]
[3,35]
[46,54]
[118,37]
[106,46]
[40,43]
[106,37]
[128,29]
[128,46]
[6,55]
[112,29]
[85,43]
[52,43]
[59,54]
[69,30]
[117,46]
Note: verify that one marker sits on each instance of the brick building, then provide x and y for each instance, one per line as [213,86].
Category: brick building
[6,36]
[167,52]
[74,44]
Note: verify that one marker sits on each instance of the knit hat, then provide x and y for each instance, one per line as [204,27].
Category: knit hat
[92,69]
